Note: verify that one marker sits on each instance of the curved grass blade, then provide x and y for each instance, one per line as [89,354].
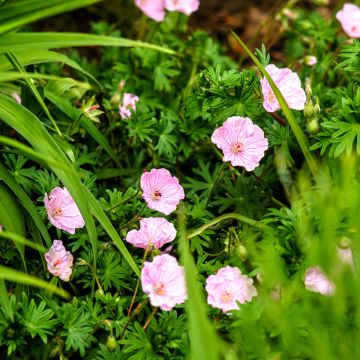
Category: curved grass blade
[44,56]
[204,342]
[22,14]
[300,136]
[25,202]
[17,239]
[9,274]
[31,128]
[43,41]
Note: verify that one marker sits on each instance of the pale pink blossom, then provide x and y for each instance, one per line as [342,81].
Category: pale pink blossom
[164,281]
[154,9]
[59,261]
[228,287]
[289,85]
[128,103]
[310,60]
[153,232]
[161,191]
[242,142]
[185,6]
[62,210]
[349,17]
[316,281]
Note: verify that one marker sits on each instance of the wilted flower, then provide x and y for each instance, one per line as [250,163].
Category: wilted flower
[316,281]
[289,85]
[349,17]
[154,9]
[242,142]
[62,210]
[346,256]
[128,102]
[185,6]
[161,191]
[90,109]
[153,232]
[163,280]
[227,287]
[59,261]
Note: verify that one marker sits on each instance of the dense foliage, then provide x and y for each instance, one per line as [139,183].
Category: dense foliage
[298,209]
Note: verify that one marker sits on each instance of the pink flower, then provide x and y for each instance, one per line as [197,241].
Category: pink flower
[289,85]
[128,102]
[59,261]
[316,281]
[16,97]
[346,256]
[310,60]
[185,6]
[227,287]
[154,9]
[154,232]
[242,142]
[349,17]
[161,191]
[163,280]
[62,211]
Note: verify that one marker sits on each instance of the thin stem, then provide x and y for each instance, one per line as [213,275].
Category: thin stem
[278,118]
[213,222]
[221,170]
[147,323]
[137,310]
[123,201]
[74,124]
[138,282]
[135,217]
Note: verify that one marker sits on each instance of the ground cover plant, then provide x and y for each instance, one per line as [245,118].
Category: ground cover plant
[160,199]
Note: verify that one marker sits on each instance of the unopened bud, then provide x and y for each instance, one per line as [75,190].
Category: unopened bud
[317,107]
[111,343]
[310,60]
[309,109]
[313,126]
[321,2]
[242,252]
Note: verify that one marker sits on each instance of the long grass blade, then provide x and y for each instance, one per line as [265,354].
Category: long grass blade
[300,136]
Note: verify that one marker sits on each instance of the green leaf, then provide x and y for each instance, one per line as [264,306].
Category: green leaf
[14,15]
[44,56]
[43,41]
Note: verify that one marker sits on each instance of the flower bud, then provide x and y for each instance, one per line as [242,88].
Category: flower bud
[111,343]
[313,126]
[242,252]
[310,60]
[309,109]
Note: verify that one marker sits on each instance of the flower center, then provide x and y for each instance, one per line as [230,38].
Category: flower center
[226,297]
[156,195]
[160,289]
[57,212]
[271,97]
[353,29]
[237,147]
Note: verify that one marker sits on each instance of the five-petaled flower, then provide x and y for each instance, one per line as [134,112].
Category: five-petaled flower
[316,281]
[62,210]
[349,17]
[242,142]
[59,261]
[228,287]
[128,103]
[153,232]
[163,280]
[289,85]
[161,191]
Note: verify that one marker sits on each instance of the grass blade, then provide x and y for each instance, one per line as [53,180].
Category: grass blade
[300,136]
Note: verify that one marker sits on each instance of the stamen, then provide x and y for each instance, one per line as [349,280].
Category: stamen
[156,195]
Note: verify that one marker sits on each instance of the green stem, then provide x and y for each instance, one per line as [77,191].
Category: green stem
[221,170]
[74,124]
[213,222]
[147,323]
[299,134]
[123,202]
[135,217]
